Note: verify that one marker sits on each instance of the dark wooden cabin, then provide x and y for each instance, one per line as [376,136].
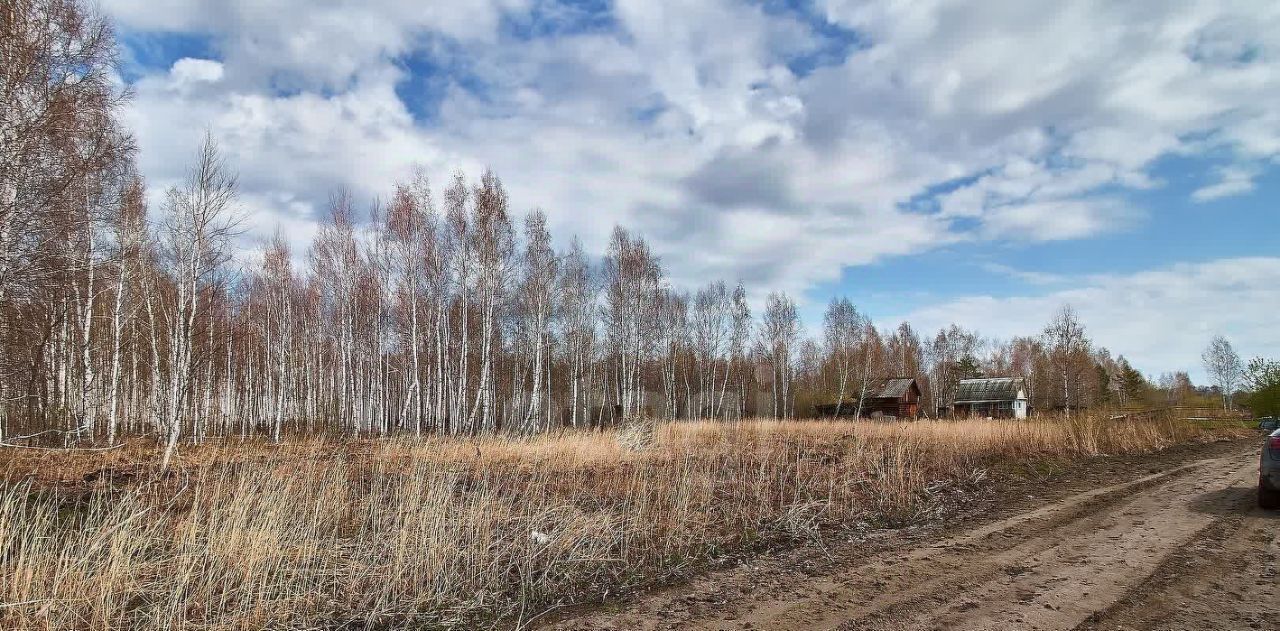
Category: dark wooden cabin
[896,397]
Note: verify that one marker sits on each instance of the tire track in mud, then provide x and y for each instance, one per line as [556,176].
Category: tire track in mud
[1062,576]
[931,578]
[1035,574]
[1229,578]
[1059,566]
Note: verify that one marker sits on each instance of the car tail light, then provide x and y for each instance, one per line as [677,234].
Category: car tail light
[1273,443]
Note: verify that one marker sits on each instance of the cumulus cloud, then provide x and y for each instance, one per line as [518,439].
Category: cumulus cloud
[301,44]
[727,132]
[188,71]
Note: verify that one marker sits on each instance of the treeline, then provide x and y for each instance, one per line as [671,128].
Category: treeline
[433,311]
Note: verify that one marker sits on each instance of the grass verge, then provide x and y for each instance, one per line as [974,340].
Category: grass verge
[469,532]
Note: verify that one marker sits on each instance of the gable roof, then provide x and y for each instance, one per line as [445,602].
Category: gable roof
[892,388]
[992,389]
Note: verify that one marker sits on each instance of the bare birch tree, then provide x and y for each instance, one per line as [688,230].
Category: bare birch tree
[943,354]
[130,235]
[196,226]
[1068,348]
[738,341]
[1224,367]
[632,281]
[540,270]
[870,353]
[410,235]
[842,332]
[61,153]
[711,328]
[578,321]
[493,245]
[779,330]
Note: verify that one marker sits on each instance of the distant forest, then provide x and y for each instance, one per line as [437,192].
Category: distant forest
[434,311]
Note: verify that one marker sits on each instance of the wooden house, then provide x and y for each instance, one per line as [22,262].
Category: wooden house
[997,397]
[895,397]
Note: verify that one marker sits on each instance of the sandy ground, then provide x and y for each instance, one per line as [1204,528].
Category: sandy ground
[1166,542]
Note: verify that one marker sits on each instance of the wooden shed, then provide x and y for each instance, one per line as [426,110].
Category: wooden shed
[895,397]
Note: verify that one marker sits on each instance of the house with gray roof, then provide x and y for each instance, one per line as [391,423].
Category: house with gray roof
[995,397]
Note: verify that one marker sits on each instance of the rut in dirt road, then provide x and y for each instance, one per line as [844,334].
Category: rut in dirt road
[1072,563]
[1060,575]
[1227,579]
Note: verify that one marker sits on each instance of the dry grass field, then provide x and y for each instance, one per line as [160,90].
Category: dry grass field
[467,532]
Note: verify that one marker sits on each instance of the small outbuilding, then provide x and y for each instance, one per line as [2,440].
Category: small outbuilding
[996,397]
[896,397]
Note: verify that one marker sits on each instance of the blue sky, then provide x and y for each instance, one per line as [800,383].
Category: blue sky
[937,161]
[1177,229]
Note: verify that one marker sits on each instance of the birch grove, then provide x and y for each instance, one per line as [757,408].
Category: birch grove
[423,318]
[439,309]
[405,317]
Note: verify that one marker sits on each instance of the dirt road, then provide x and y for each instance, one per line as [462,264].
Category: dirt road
[1181,548]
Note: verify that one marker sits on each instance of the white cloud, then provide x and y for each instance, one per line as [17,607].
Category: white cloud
[1057,219]
[309,44]
[683,119]
[1159,319]
[290,152]
[1033,277]
[188,71]
[1232,181]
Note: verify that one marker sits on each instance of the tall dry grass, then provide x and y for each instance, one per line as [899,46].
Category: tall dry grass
[442,533]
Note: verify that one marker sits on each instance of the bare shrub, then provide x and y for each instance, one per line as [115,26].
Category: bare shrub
[636,433]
